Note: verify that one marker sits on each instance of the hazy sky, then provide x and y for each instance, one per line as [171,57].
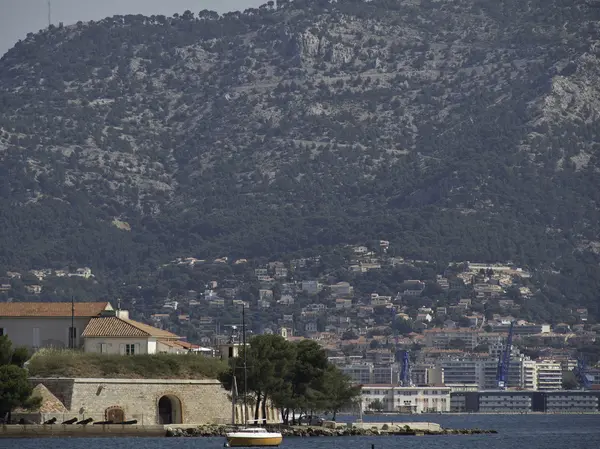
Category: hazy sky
[19,17]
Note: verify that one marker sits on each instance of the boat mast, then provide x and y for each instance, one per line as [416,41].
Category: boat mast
[233,398]
[245,366]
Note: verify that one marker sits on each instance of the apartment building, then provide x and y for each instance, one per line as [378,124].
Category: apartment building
[481,370]
[469,338]
[370,373]
[549,375]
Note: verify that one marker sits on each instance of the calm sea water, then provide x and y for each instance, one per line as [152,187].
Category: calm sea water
[515,432]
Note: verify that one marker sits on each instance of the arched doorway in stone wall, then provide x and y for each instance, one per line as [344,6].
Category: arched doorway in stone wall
[169,410]
[114,414]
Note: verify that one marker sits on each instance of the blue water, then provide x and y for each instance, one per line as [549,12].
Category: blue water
[515,432]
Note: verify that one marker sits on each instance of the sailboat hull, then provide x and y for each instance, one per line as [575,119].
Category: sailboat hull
[254,441]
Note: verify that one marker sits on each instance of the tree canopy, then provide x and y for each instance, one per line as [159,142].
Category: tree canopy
[15,389]
[294,377]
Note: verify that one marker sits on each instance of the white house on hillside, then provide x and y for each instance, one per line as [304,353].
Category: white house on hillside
[92,326]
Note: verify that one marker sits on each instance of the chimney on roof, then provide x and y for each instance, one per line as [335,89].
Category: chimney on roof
[124,314]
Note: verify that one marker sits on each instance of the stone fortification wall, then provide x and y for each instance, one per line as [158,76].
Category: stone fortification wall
[61,388]
[149,401]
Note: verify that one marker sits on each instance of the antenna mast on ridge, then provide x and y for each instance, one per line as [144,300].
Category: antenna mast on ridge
[49,13]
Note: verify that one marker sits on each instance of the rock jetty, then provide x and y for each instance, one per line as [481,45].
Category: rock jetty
[306,431]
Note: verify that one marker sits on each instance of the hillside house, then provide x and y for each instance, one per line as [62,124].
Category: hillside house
[311,287]
[265,294]
[84,272]
[34,289]
[341,289]
[343,303]
[424,318]
[413,288]
[286,300]
[281,272]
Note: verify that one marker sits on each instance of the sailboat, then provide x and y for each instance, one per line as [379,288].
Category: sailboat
[250,436]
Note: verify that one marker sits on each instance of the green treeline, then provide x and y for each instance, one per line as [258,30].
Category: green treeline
[295,377]
[15,389]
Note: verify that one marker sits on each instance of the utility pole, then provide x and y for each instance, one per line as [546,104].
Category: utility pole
[72,330]
[245,363]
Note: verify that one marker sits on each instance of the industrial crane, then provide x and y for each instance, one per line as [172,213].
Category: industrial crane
[405,378]
[504,361]
[580,371]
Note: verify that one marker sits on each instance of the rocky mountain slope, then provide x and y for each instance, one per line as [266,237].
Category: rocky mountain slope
[464,129]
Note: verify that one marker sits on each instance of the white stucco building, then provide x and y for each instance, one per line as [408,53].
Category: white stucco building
[91,326]
[120,335]
[406,399]
[38,325]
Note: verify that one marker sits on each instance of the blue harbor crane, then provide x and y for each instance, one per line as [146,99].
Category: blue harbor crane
[405,378]
[504,361]
[580,371]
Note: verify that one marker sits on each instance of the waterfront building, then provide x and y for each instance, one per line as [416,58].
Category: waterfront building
[565,402]
[396,399]
[525,401]
[515,402]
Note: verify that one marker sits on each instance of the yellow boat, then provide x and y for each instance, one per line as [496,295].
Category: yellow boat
[253,437]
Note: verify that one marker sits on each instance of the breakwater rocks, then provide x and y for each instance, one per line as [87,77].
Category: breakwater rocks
[305,431]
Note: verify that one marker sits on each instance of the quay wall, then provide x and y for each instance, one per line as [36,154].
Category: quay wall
[422,426]
[57,430]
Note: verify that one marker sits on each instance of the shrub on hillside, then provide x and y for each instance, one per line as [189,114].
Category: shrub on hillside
[67,363]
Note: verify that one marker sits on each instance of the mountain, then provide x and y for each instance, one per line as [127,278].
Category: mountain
[458,130]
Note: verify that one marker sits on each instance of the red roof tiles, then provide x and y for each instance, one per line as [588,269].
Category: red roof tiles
[120,327]
[52,309]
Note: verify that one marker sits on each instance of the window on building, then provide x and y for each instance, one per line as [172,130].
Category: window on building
[1,331]
[36,337]
[103,348]
[130,349]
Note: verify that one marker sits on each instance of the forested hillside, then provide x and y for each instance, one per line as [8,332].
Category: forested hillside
[458,130]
